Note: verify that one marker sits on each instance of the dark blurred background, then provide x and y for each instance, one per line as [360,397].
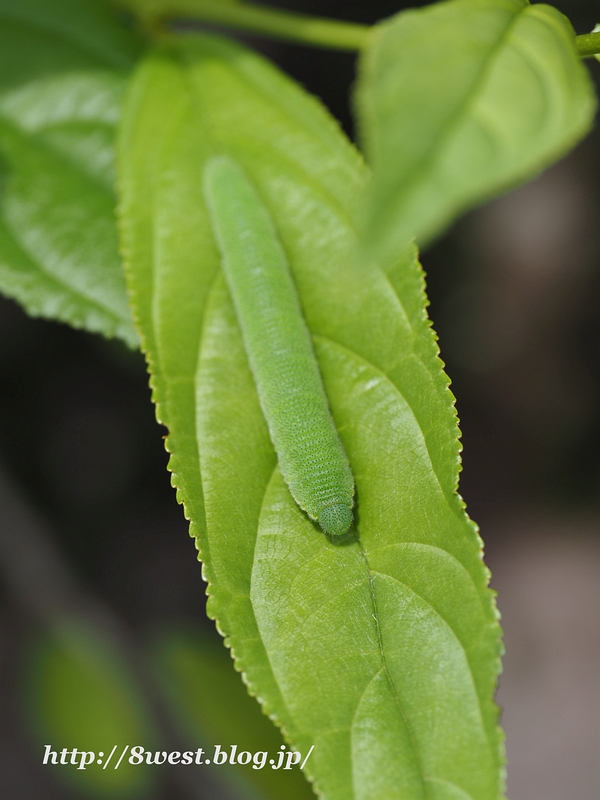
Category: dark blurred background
[514,289]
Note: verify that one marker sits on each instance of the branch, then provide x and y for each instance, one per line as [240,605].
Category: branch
[299,28]
[588,44]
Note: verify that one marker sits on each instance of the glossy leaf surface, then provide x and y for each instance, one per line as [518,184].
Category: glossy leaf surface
[381,651]
[459,101]
[63,68]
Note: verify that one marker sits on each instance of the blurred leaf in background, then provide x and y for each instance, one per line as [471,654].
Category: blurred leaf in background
[214,706]
[79,694]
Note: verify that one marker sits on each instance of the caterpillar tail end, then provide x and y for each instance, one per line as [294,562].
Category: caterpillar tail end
[336,519]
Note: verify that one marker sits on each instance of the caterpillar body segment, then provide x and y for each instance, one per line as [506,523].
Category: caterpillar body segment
[279,348]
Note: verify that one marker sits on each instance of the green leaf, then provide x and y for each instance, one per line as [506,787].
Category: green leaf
[459,101]
[63,69]
[79,694]
[214,708]
[380,651]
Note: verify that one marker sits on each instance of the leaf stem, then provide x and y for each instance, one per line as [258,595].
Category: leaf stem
[299,28]
[315,31]
[588,44]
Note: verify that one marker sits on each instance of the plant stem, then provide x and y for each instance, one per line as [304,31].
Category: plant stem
[300,28]
[588,44]
[258,19]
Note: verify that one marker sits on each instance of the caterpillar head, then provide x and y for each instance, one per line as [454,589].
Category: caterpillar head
[336,519]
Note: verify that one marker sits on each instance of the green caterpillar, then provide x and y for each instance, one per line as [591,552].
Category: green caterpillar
[279,348]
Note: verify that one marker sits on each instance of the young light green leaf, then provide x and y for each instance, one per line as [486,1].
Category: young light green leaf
[381,651]
[63,68]
[213,707]
[459,101]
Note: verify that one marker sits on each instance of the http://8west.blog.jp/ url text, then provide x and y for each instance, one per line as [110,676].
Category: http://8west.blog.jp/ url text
[137,755]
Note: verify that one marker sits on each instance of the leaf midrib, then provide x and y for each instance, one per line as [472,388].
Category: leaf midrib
[445,622]
[388,677]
